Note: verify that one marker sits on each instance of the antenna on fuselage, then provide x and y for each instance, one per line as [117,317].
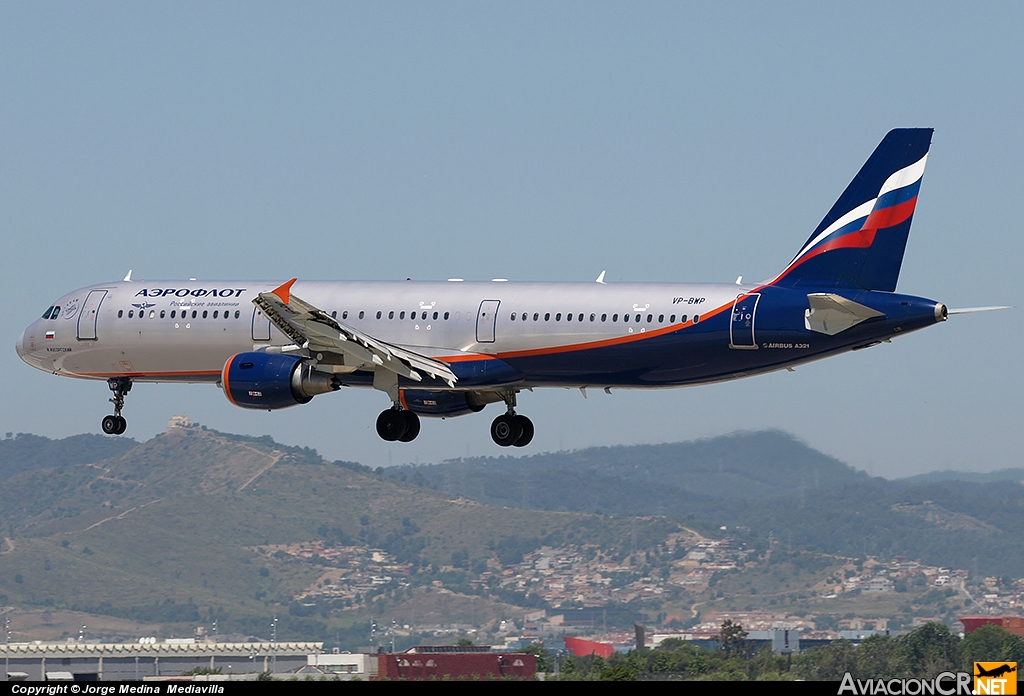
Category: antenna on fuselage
[600,278]
[128,278]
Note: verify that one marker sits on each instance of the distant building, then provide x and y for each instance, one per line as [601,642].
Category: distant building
[345,666]
[581,647]
[135,661]
[455,662]
[1011,624]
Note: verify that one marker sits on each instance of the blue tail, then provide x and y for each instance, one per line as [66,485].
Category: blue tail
[860,243]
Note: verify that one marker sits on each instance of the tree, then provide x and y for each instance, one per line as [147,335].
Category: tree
[991,644]
[732,639]
[543,663]
[881,657]
[930,649]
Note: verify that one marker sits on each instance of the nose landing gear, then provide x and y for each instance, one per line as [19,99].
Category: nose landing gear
[510,429]
[116,424]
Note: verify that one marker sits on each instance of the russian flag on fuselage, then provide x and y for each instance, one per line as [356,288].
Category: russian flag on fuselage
[860,243]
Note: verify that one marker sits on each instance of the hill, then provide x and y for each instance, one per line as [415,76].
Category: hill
[767,483]
[196,525]
[745,465]
[23,452]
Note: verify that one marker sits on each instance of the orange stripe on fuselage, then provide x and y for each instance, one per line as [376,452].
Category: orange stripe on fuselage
[590,345]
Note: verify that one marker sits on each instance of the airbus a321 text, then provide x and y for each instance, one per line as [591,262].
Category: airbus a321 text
[450,348]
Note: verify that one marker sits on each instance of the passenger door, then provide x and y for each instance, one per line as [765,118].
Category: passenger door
[89,315]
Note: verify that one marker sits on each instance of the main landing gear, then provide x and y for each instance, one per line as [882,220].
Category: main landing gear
[115,424]
[509,429]
[398,425]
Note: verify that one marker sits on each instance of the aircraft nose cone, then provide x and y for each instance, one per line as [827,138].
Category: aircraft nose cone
[20,346]
[25,351]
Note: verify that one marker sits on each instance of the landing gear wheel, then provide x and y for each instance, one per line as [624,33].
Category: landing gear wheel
[527,425]
[115,424]
[392,424]
[506,430]
[412,429]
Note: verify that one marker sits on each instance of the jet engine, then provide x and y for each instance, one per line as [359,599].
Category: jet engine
[271,381]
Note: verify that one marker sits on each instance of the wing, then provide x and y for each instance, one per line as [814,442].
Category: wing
[315,330]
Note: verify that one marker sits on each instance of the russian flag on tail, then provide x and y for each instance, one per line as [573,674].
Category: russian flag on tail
[860,243]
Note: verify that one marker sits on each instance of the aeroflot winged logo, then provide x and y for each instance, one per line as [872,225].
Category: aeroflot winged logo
[995,678]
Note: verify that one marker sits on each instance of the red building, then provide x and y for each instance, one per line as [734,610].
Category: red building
[455,662]
[581,648]
[1010,624]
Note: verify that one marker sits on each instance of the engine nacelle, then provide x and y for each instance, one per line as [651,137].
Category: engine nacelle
[269,381]
[440,404]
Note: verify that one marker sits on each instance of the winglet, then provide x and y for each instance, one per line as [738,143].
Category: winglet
[285,291]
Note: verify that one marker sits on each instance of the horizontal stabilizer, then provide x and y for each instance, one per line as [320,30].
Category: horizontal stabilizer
[831,314]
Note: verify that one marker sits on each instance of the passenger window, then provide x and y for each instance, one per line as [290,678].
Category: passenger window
[568,317]
[637,318]
[649,318]
[683,318]
[672,318]
[424,316]
[194,314]
[547,316]
[536,316]
[204,314]
[592,317]
[391,314]
[625,318]
[120,313]
[361,313]
[696,318]
[215,314]
[435,316]
[344,315]
[615,317]
[401,315]
[558,317]
[446,316]
[131,313]
[513,317]
[378,315]
[236,314]
[163,313]
[604,317]
[152,314]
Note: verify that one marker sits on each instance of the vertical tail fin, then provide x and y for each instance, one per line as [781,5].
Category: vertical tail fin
[861,241]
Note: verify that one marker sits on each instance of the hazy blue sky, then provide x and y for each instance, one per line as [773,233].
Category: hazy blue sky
[539,141]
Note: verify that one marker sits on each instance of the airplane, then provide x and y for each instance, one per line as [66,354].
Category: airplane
[449,348]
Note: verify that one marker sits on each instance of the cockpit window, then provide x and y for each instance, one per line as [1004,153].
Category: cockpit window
[46,314]
[56,311]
